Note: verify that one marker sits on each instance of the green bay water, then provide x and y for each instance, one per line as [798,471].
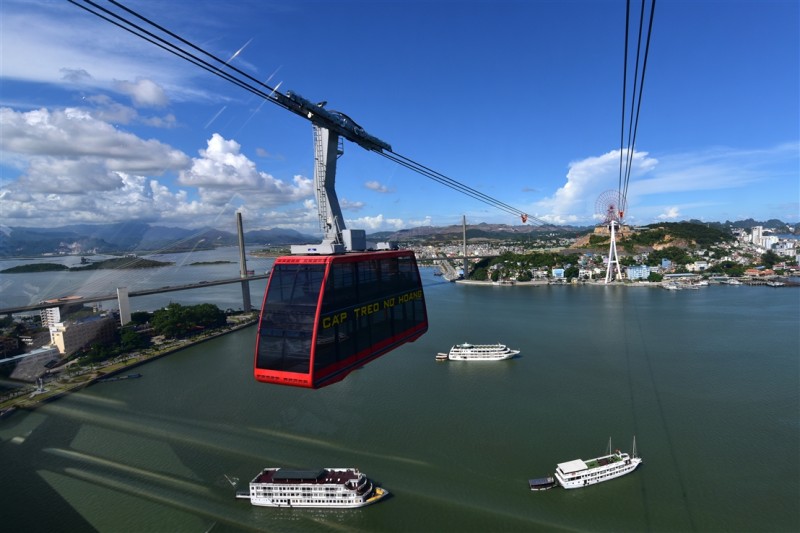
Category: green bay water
[706,379]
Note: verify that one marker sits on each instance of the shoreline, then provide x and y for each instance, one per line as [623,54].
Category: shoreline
[31,402]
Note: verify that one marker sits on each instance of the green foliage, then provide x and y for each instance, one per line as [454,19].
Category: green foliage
[495,275]
[728,268]
[36,267]
[571,272]
[524,276]
[140,317]
[678,256]
[704,235]
[180,321]
[655,277]
[122,263]
[598,240]
[480,274]
[769,258]
[131,340]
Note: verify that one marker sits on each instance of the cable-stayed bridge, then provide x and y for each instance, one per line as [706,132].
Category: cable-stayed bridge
[74,300]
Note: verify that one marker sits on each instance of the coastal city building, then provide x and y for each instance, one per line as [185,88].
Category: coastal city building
[637,272]
[50,316]
[69,337]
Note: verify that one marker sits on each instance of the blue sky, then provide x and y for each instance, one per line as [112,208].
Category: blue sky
[520,100]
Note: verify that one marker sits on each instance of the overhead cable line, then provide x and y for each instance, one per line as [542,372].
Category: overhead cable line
[636,95]
[177,45]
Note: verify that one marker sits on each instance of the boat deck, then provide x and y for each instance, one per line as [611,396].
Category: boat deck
[603,461]
[315,477]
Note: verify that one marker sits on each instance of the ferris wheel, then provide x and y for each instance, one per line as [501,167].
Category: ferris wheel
[610,208]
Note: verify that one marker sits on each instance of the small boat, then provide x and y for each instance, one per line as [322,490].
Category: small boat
[579,473]
[441,356]
[119,378]
[480,352]
[324,487]
[543,483]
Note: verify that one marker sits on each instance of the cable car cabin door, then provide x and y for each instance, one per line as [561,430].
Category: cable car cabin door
[324,316]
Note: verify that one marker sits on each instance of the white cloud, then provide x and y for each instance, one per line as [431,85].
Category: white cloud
[586,180]
[222,166]
[377,187]
[671,213]
[347,205]
[375,223]
[427,221]
[143,92]
[74,134]
[72,167]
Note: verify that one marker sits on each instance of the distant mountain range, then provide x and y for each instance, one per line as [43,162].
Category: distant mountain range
[127,237]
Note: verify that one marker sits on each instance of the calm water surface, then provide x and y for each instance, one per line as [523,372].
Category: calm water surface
[707,380]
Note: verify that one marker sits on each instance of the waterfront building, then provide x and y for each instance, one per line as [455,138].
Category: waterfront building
[70,337]
[697,266]
[637,272]
[558,273]
[50,316]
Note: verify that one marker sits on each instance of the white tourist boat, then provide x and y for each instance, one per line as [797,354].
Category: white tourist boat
[324,487]
[579,473]
[480,352]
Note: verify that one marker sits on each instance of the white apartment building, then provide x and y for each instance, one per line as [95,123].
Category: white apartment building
[50,316]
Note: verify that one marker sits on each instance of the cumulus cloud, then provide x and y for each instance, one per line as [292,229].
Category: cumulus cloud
[377,187]
[75,134]
[586,180]
[74,168]
[375,223]
[222,166]
[427,221]
[672,213]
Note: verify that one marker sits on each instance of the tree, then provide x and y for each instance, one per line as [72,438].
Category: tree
[495,275]
[571,272]
[655,277]
[131,340]
[480,274]
[140,317]
[769,258]
[178,321]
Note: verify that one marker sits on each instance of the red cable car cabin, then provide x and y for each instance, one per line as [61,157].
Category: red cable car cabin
[323,316]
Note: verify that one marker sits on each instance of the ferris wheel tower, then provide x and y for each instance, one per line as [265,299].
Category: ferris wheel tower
[610,207]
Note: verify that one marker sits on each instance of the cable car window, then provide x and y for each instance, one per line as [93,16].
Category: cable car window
[288,317]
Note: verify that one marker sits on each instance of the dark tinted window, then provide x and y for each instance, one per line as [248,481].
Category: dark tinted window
[287,320]
[369,303]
